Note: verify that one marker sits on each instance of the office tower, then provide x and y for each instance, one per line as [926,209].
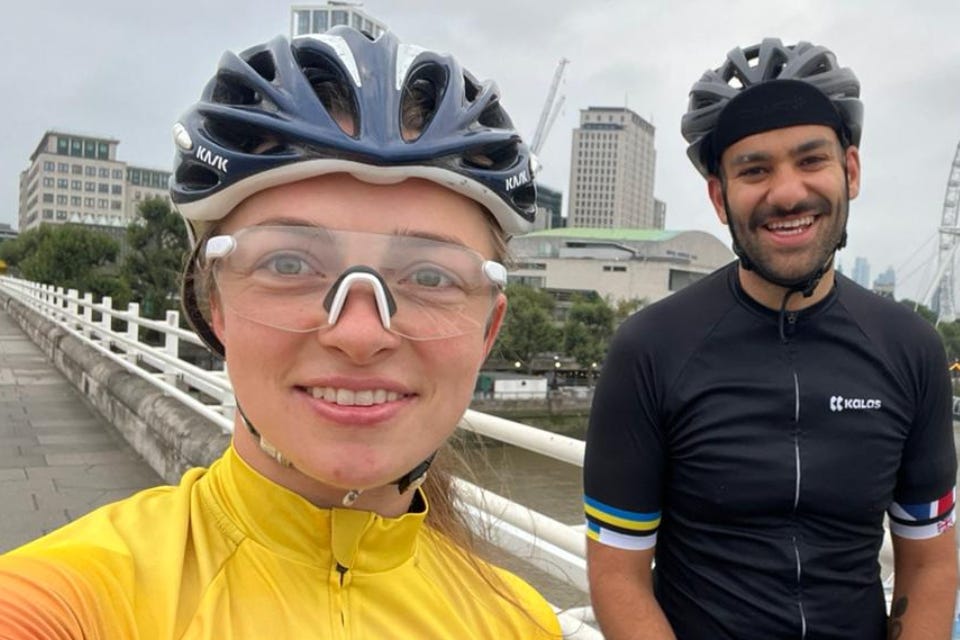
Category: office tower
[861,272]
[612,170]
[77,178]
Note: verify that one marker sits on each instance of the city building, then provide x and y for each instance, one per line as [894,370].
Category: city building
[549,206]
[317,18]
[612,166]
[886,283]
[78,178]
[861,272]
[7,232]
[659,214]
[616,264]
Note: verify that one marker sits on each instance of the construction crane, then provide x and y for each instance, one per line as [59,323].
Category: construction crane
[551,108]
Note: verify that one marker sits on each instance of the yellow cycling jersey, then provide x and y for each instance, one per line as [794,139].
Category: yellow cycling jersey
[230,555]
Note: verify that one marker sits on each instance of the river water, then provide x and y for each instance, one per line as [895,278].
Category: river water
[546,485]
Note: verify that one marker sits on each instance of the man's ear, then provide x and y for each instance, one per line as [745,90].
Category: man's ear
[493,325]
[715,191]
[853,171]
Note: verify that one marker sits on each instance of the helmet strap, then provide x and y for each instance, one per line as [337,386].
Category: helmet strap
[410,480]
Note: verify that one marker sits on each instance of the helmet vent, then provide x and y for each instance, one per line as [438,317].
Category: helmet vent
[192,176]
[332,88]
[822,67]
[421,94]
[524,197]
[229,90]
[470,88]
[244,138]
[264,65]
[493,158]
[494,117]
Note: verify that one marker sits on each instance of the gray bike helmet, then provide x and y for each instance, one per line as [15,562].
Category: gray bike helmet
[766,63]
[265,120]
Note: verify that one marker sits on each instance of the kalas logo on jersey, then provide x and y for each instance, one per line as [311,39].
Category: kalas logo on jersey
[839,403]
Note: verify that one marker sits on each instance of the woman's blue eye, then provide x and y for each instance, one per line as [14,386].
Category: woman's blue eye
[287,265]
[430,278]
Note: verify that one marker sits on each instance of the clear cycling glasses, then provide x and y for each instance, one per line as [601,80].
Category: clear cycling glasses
[297,278]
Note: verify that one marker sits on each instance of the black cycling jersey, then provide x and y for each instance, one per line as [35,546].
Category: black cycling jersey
[761,467]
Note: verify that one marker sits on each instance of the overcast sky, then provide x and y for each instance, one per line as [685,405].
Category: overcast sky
[128,69]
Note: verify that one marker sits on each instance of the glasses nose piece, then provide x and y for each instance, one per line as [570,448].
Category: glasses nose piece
[337,296]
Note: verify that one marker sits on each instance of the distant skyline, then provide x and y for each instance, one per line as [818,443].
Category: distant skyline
[127,71]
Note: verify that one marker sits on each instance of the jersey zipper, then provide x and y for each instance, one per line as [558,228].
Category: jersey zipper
[796,497]
[339,581]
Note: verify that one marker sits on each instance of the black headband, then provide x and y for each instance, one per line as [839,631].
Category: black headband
[773,105]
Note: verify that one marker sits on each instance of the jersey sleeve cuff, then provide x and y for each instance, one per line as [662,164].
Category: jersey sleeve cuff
[620,540]
[620,528]
[919,521]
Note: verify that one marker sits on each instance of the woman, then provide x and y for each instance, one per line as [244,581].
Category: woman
[349,201]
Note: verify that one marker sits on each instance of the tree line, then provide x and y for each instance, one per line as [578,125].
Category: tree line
[582,330]
[145,268]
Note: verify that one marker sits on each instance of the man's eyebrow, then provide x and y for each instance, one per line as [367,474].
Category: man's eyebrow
[747,158]
[809,145]
[762,156]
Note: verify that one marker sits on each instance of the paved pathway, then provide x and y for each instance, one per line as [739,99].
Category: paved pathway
[58,457]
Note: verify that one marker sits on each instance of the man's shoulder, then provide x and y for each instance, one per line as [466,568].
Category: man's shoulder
[883,318]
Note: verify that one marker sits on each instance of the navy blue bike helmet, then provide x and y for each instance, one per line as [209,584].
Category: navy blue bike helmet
[265,120]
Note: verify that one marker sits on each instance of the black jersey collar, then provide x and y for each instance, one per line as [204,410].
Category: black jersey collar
[773,314]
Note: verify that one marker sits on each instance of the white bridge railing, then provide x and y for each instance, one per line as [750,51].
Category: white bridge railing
[555,548]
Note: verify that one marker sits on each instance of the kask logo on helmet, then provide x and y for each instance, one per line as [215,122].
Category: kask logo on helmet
[839,403]
[515,181]
[214,160]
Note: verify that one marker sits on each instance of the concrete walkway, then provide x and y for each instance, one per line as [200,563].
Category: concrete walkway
[58,458]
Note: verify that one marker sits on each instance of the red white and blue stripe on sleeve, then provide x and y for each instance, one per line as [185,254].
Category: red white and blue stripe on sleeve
[925,519]
[620,528]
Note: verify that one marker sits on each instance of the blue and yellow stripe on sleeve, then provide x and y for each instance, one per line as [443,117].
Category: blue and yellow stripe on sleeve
[620,528]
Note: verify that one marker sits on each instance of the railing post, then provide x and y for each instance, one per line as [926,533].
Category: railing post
[171,343]
[133,331]
[58,316]
[72,308]
[44,307]
[87,314]
[32,293]
[48,299]
[105,324]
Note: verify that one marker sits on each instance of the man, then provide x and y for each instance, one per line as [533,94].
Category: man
[750,432]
